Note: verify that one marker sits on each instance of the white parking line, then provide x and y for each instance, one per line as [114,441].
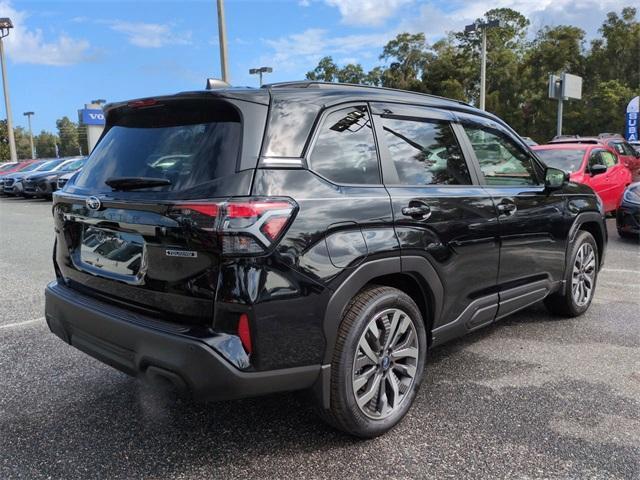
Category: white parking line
[20,324]
[619,270]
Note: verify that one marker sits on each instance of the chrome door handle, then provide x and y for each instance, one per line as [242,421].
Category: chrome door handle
[507,208]
[418,212]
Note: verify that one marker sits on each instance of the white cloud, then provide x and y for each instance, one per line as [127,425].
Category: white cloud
[586,14]
[30,46]
[308,47]
[150,35]
[366,12]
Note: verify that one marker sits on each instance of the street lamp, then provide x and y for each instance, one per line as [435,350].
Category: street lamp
[260,71]
[33,150]
[483,27]
[99,101]
[5,26]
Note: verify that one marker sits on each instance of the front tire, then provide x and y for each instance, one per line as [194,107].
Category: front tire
[378,362]
[580,279]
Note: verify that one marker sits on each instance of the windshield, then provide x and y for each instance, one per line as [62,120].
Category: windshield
[7,166]
[76,164]
[50,165]
[32,167]
[565,159]
[188,143]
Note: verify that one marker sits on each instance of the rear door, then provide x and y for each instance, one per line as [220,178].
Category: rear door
[532,227]
[441,213]
[153,249]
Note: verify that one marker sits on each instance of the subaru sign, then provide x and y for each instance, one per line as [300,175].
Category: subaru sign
[631,126]
[92,116]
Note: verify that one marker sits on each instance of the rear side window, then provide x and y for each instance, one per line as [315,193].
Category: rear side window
[187,142]
[502,161]
[345,150]
[425,152]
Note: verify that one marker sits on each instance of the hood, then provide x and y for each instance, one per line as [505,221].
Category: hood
[40,175]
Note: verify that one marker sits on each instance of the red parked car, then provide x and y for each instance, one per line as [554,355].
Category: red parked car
[16,167]
[628,156]
[595,165]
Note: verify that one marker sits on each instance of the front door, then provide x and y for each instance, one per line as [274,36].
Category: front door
[441,213]
[532,229]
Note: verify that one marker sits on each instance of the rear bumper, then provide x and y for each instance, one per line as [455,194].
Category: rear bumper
[143,347]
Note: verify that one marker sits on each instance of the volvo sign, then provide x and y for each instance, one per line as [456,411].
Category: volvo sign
[92,116]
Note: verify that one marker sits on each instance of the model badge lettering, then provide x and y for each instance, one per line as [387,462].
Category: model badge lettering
[181,253]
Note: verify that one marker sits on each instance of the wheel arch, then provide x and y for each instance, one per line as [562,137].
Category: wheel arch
[413,275]
[593,223]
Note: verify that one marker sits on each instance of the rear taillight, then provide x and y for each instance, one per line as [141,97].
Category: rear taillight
[245,226]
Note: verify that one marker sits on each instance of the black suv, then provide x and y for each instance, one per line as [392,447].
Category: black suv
[238,242]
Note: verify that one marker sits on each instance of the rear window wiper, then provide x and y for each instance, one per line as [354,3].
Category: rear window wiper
[134,183]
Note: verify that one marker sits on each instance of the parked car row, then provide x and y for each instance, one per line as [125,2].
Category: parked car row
[38,178]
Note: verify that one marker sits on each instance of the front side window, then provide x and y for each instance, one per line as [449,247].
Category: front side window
[502,162]
[596,158]
[425,152]
[345,150]
[609,159]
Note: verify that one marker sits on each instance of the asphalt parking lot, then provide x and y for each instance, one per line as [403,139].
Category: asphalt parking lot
[530,397]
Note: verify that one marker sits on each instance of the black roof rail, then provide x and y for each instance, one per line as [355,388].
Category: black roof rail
[338,85]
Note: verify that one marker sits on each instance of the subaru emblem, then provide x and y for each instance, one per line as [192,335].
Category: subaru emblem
[94,203]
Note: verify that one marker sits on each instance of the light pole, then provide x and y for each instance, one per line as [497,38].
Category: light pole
[482,27]
[260,71]
[33,150]
[222,34]
[5,26]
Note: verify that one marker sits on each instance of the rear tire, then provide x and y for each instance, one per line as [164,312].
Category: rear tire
[580,279]
[378,362]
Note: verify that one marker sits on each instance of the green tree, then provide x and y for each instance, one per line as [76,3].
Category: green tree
[617,54]
[23,143]
[68,134]
[605,107]
[326,71]
[351,73]
[5,154]
[407,55]
[46,144]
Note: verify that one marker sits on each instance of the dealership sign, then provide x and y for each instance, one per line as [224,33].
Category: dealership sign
[92,116]
[631,127]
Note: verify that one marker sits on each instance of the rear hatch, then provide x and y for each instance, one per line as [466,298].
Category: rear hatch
[136,226]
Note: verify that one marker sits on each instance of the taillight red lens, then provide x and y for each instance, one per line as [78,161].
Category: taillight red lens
[244,332]
[272,227]
[252,209]
[209,209]
[246,226]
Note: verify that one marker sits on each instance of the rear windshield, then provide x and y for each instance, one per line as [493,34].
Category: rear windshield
[188,143]
[565,159]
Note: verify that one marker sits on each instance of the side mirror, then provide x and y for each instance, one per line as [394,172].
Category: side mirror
[597,169]
[554,177]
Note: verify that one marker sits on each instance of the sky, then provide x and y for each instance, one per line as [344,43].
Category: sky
[63,54]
